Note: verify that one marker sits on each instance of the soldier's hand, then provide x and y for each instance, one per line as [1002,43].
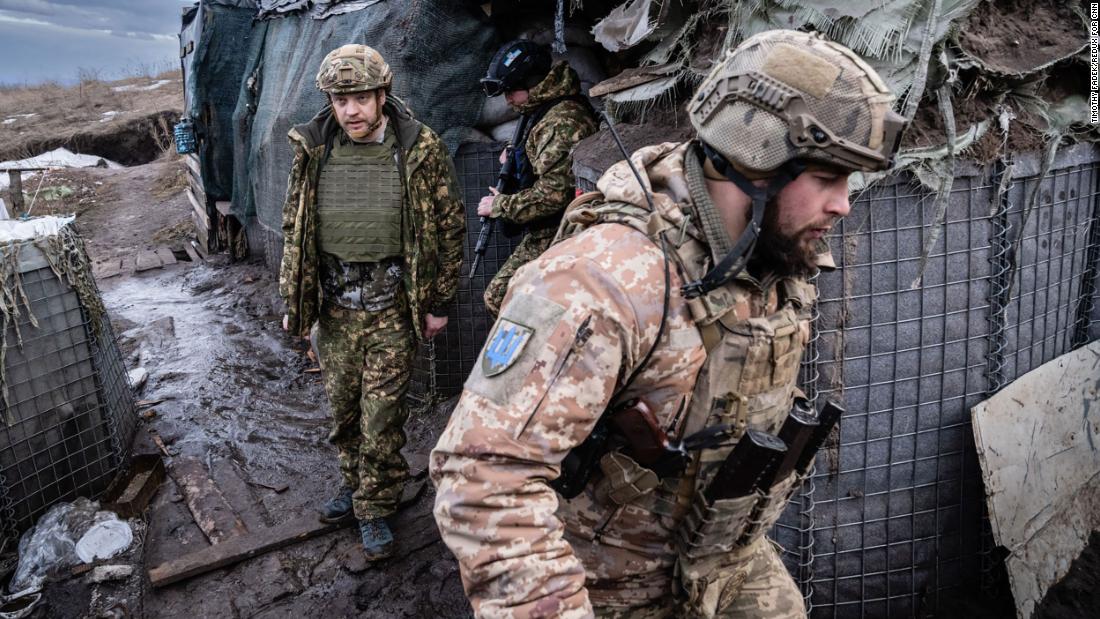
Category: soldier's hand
[286,322]
[503,155]
[433,325]
[485,206]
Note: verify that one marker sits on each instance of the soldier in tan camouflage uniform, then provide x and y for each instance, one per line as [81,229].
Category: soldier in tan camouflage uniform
[373,228]
[689,293]
[556,117]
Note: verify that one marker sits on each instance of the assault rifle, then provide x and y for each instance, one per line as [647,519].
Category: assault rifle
[503,186]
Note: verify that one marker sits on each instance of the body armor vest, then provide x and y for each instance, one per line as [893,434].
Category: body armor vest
[359,199]
[754,334]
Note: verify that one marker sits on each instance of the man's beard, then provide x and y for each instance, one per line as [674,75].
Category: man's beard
[780,253]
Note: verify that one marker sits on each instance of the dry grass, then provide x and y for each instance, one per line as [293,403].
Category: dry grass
[64,192]
[172,179]
[59,111]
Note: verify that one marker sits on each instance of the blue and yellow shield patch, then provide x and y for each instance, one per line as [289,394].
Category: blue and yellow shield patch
[505,346]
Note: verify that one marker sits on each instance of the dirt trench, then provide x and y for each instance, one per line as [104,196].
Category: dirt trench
[237,398]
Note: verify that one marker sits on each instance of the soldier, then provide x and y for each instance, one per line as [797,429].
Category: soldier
[555,116]
[685,287]
[373,228]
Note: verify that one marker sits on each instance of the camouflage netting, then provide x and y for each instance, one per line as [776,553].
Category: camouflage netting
[1012,75]
[437,51]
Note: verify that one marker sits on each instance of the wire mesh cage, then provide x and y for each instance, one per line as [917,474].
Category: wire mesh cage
[68,412]
[468,324]
[914,330]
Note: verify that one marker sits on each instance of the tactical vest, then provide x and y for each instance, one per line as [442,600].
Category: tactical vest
[747,380]
[359,199]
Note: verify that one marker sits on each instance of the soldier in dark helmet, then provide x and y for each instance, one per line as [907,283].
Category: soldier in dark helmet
[372,228]
[555,116]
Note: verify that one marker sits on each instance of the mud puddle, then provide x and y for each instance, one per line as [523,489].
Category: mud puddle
[236,397]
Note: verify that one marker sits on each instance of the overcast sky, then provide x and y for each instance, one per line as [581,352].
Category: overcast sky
[52,39]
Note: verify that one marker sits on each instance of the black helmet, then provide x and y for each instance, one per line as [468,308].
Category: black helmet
[519,65]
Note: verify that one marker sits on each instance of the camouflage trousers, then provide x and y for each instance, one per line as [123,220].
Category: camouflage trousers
[531,247]
[366,361]
[763,589]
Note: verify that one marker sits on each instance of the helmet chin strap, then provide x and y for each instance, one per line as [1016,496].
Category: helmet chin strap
[735,261]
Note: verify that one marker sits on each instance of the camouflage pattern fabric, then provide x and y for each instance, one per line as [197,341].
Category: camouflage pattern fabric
[366,360]
[433,219]
[549,147]
[574,323]
[533,244]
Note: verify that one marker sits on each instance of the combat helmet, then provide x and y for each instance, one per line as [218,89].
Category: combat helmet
[778,101]
[353,68]
[517,65]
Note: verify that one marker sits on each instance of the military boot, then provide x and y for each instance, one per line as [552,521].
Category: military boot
[338,508]
[377,539]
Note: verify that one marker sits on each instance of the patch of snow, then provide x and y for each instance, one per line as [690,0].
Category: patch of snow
[18,229]
[57,158]
[15,117]
[133,87]
[108,116]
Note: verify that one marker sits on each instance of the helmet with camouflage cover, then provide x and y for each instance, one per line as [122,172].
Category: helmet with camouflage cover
[784,95]
[779,101]
[353,68]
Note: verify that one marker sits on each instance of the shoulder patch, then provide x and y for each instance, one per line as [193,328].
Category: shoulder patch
[505,346]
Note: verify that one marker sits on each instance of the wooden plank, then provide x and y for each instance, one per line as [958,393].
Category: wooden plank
[239,548]
[191,253]
[199,209]
[15,190]
[253,544]
[146,259]
[105,269]
[192,162]
[212,512]
[166,256]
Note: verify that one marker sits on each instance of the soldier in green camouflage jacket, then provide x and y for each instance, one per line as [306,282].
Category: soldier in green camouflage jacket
[373,229]
[555,116]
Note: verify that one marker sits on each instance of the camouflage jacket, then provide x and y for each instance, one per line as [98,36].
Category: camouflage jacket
[549,147]
[575,323]
[434,218]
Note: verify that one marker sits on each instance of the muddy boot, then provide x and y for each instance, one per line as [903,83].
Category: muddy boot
[377,539]
[338,508]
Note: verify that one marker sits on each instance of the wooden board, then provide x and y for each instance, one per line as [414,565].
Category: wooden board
[243,547]
[105,269]
[1038,443]
[191,253]
[166,256]
[146,259]
[212,512]
[198,209]
[239,549]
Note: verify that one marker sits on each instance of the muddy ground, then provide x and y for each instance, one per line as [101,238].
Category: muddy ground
[237,397]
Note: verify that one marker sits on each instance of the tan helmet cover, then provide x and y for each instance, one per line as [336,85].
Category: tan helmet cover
[353,68]
[785,95]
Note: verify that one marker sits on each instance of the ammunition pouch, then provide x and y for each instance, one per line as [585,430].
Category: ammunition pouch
[709,585]
[717,543]
[624,480]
